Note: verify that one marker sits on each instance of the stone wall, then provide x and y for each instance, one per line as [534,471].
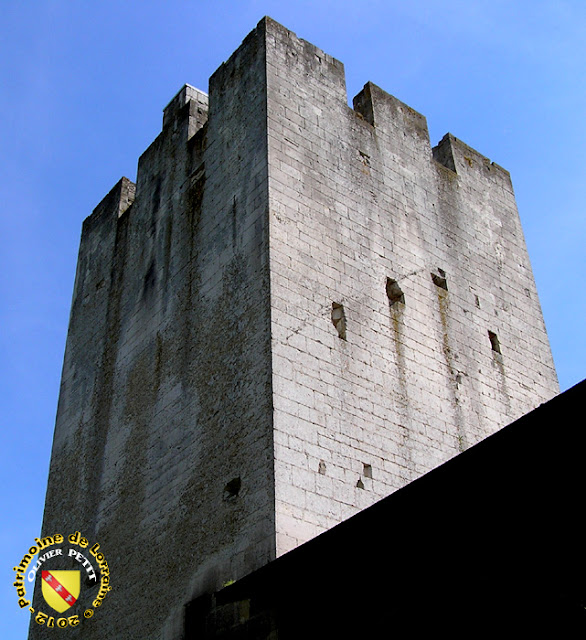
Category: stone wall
[405,321]
[298,309]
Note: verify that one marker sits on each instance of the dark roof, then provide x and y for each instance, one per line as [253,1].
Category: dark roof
[492,541]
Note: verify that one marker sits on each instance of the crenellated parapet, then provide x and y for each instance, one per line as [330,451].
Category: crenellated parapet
[464,160]
[194,102]
[386,113]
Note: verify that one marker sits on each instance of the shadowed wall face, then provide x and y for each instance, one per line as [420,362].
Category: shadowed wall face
[299,308]
[163,444]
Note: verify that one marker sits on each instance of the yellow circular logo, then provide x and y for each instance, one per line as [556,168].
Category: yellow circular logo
[73,592]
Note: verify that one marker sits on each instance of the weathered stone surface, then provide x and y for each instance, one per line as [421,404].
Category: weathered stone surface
[212,416]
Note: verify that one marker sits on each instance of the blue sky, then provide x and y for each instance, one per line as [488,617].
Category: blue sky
[82,88]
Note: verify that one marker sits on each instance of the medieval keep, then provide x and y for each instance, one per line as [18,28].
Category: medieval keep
[299,308]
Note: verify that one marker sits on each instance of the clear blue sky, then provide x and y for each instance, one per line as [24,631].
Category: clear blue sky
[82,88]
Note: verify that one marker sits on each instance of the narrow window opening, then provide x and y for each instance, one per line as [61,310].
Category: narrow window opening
[321,469]
[439,279]
[339,319]
[394,292]
[367,470]
[494,342]
[360,484]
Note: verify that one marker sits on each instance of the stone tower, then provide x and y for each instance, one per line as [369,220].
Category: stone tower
[299,308]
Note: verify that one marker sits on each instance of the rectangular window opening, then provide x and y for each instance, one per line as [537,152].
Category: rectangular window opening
[394,292]
[494,342]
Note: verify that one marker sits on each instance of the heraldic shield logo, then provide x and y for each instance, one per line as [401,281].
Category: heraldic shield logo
[61,589]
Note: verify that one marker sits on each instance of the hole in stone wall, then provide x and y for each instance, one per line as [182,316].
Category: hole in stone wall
[360,484]
[365,158]
[439,279]
[232,489]
[494,342]
[339,319]
[394,292]
[321,469]
[367,470]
